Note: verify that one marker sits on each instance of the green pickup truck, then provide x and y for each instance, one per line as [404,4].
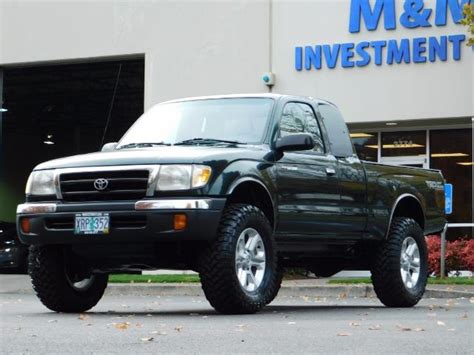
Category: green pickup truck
[237,188]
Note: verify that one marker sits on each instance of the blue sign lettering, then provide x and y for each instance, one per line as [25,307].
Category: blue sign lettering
[361,9]
[398,53]
[438,48]
[414,15]
[455,6]
[448,198]
[416,50]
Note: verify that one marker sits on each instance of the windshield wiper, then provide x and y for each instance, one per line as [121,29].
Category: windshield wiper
[144,144]
[206,141]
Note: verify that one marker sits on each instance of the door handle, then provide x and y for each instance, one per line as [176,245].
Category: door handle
[330,171]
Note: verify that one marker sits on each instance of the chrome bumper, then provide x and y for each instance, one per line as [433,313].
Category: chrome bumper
[173,204]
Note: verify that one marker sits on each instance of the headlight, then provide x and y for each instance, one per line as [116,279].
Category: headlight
[41,183]
[182,177]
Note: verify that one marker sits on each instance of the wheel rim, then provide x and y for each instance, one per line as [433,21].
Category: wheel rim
[250,259]
[410,262]
[81,285]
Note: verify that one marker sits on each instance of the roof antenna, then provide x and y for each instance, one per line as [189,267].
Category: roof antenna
[111,105]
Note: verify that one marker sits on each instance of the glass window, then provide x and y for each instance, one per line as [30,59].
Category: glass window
[366,145]
[341,145]
[451,152]
[300,118]
[240,119]
[399,144]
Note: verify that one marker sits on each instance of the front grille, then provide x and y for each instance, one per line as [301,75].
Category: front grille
[121,185]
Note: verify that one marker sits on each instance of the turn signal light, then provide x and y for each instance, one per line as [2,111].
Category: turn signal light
[180,221]
[25,225]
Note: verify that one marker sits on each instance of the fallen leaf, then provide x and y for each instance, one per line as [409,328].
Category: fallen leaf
[83,316]
[441,323]
[403,328]
[121,326]
[375,327]
[138,325]
[149,281]
[354,324]
[344,334]
[147,339]
[178,328]
[419,330]
[342,295]
[451,329]
[52,321]
[291,323]
[471,300]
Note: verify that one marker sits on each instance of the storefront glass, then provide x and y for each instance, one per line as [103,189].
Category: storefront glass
[366,145]
[409,143]
[451,152]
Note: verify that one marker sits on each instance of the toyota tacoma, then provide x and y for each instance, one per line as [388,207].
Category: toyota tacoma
[237,188]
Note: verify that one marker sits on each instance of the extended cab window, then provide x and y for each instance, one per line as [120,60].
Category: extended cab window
[341,145]
[300,118]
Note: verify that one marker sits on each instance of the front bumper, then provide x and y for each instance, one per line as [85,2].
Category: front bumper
[148,220]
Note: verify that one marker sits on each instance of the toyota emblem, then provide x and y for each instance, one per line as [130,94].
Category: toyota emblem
[101,184]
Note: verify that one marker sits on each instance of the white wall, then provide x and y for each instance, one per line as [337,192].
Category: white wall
[191,48]
[208,47]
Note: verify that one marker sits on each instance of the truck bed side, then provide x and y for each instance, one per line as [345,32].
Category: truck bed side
[396,190]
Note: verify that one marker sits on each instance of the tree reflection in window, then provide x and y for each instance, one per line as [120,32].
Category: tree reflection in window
[300,118]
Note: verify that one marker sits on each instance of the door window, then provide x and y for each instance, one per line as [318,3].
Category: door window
[299,118]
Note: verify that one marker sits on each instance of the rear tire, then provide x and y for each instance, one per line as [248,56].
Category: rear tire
[54,285]
[400,265]
[244,239]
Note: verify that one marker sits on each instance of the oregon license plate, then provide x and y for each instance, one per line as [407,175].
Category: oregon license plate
[92,223]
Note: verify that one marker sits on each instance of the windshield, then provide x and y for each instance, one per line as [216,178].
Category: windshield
[236,120]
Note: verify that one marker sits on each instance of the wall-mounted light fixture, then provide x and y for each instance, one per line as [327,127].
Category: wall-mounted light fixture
[49,140]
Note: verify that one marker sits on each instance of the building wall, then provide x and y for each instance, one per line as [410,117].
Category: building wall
[208,47]
[191,48]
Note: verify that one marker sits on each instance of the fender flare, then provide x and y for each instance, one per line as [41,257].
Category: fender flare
[395,205]
[245,179]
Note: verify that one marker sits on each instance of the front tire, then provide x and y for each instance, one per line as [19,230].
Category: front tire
[56,287]
[239,271]
[400,265]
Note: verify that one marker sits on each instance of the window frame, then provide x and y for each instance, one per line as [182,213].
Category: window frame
[321,131]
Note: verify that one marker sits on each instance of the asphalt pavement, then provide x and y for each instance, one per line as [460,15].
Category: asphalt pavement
[130,324]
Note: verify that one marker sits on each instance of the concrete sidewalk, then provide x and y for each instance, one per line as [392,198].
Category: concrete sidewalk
[20,284]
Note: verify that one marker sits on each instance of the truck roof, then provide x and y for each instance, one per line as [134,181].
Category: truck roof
[250,95]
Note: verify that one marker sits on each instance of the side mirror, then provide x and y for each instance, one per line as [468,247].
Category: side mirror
[294,142]
[108,147]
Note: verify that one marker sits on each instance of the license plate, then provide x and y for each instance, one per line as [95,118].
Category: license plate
[92,223]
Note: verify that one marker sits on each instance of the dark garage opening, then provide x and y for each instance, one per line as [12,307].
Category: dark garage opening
[59,110]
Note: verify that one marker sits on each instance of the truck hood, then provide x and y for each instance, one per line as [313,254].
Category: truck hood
[159,155]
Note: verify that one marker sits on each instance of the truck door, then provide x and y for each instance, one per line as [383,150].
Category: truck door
[308,196]
[351,178]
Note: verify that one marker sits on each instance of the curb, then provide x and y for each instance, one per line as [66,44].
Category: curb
[329,291]
[194,289]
